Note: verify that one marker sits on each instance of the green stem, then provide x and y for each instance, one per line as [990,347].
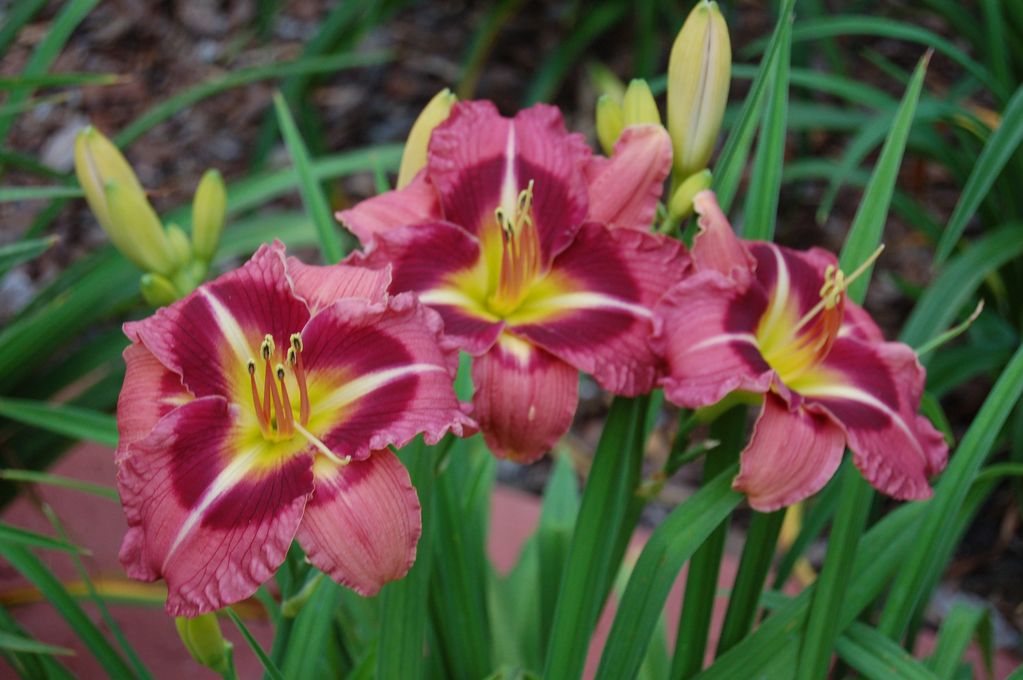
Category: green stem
[757,555]
[705,565]
[593,560]
[822,622]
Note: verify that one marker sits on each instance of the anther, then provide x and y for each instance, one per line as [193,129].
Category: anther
[835,285]
[296,341]
[268,347]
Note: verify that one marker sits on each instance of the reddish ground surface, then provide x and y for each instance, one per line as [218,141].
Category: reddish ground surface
[99,525]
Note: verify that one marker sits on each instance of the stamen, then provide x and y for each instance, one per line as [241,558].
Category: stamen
[285,425]
[296,342]
[268,347]
[295,359]
[321,447]
[276,396]
[264,424]
[835,285]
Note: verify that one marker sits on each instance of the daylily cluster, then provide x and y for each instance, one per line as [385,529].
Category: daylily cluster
[261,407]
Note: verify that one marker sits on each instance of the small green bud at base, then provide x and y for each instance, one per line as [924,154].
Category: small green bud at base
[205,643]
[157,289]
[681,204]
[610,122]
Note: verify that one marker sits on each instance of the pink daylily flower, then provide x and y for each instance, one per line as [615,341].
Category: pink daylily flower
[258,410]
[756,317]
[538,257]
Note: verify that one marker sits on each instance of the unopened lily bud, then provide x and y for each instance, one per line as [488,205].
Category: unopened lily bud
[610,122]
[681,204]
[98,161]
[413,158]
[136,230]
[605,81]
[157,289]
[699,71]
[204,641]
[208,210]
[639,106]
[180,246]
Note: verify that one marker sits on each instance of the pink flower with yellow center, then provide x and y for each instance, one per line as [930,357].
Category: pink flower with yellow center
[258,410]
[537,256]
[761,318]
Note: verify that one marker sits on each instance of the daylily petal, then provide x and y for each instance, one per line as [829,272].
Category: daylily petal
[791,278]
[150,391]
[790,457]
[439,262]
[209,337]
[625,188]
[716,246]
[210,511]
[378,375]
[858,324]
[418,202]
[873,391]
[595,311]
[479,160]
[704,328]
[524,400]
[362,523]
[323,286]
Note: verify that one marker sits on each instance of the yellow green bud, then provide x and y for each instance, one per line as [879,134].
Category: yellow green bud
[204,641]
[157,289]
[136,230]
[180,246]
[639,106]
[681,204]
[610,122]
[208,210]
[413,158]
[699,72]
[132,225]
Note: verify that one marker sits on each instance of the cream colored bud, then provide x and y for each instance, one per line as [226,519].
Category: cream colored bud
[136,230]
[158,290]
[209,207]
[681,204]
[610,122]
[204,641]
[699,72]
[639,106]
[413,158]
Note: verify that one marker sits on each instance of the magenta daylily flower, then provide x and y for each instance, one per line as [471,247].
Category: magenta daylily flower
[259,409]
[761,318]
[537,256]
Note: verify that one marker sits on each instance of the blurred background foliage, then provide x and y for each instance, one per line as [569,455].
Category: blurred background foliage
[185,86]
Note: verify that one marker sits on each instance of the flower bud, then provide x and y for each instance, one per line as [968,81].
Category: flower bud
[157,289]
[204,641]
[132,226]
[639,106]
[180,246]
[681,204]
[699,71]
[136,230]
[610,122]
[208,210]
[413,158]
